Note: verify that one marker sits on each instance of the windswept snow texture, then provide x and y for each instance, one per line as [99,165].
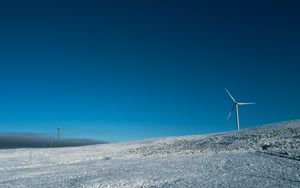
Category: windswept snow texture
[267,156]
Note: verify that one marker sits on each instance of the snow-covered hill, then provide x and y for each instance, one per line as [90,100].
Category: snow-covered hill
[267,156]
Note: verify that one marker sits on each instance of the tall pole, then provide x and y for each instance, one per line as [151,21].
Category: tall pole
[57,139]
[237,116]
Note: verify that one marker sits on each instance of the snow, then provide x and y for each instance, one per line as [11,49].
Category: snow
[266,156]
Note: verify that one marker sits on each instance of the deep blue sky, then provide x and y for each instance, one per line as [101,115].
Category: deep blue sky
[123,70]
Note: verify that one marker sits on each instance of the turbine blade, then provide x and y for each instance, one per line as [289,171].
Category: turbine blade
[232,109]
[230,95]
[245,103]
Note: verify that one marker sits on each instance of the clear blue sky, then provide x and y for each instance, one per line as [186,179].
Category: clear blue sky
[124,70]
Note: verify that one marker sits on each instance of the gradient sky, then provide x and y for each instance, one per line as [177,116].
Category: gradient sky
[124,70]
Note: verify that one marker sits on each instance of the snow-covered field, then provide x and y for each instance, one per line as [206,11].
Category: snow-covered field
[267,156]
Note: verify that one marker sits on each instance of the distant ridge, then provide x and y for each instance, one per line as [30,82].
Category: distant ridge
[33,140]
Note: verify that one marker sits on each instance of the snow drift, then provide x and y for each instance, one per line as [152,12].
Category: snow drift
[267,156]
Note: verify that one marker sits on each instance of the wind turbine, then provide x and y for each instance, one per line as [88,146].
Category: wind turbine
[58,137]
[236,108]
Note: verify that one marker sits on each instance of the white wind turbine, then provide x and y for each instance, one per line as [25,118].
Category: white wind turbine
[236,108]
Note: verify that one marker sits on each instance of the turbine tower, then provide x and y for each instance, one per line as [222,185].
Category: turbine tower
[236,108]
[58,137]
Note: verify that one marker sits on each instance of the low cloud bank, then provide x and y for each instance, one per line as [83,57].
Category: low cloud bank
[32,140]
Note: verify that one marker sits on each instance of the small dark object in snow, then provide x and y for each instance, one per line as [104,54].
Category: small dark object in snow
[265,147]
